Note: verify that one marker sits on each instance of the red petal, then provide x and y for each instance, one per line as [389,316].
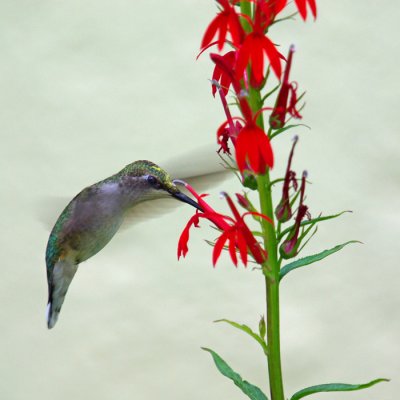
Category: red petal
[253,151]
[267,153]
[243,57]
[210,31]
[258,215]
[301,6]
[273,55]
[240,152]
[232,248]
[313,7]
[184,238]
[236,29]
[279,5]
[242,247]
[219,245]
[257,61]
[222,32]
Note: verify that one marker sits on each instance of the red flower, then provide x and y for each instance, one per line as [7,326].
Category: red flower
[256,46]
[302,7]
[271,9]
[239,237]
[224,133]
[283,211]
[227,20]
[235,232]
[220,75]
[227,69]
[253,149]
[283,104]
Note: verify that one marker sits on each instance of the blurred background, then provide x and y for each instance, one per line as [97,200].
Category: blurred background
[90,86]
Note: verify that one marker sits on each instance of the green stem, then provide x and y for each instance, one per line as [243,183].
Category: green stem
[271,271]
[271,267]
[245,9]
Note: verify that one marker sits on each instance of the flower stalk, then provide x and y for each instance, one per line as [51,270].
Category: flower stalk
[270,271]
[243,72]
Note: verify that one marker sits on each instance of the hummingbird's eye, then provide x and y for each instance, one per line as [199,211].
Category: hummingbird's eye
[154,182]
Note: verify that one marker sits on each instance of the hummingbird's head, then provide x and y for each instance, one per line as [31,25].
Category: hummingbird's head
[155,182]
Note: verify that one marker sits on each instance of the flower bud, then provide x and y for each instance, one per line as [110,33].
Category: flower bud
[243,201]
[289,248]
[283,104]
[283,210]
[249,180]
[261,327]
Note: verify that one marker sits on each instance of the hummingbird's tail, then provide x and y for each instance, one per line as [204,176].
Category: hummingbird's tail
[60,278]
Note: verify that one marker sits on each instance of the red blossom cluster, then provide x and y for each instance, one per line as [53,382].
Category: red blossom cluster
[235,234]
[245,68]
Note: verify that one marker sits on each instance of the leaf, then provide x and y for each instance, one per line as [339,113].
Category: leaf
[301,262]
[249,331]
[311,221]
[281,130]
[334,387]
[251,391]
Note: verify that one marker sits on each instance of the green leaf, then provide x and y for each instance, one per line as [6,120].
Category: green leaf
[311,221]
[248,330]
[301,262]
[281,130]
[251,391]
[334,387]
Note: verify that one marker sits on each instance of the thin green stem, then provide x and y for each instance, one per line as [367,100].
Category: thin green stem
[271,270]
[271,266]
[245,9]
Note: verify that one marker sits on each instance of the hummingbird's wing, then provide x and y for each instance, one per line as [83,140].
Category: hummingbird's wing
[48,208]
[202,168]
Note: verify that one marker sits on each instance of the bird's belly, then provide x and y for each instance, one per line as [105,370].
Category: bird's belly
[91,237]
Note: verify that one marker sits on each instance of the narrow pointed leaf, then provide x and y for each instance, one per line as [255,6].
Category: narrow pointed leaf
[312,221]
[285,128]
[251,391]
[334,387]
[249,331]
[312,259]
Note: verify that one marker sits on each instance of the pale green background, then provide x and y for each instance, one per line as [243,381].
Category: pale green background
[89,86]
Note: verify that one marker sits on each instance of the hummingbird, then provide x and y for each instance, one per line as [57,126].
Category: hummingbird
[92,218]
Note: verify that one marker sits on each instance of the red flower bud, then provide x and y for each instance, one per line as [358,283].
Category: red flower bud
[243,201]
[283,211]
[284,105]
[290,246]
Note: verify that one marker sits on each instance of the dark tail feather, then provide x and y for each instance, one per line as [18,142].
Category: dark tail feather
[59,280]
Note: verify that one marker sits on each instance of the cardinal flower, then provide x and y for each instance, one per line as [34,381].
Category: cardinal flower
[256,46]
[221,76]
[235,234]
[227,20]
[253,149]
[252,146]
[284,105]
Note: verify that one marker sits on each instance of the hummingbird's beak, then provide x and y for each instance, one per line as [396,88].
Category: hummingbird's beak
[186,199]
